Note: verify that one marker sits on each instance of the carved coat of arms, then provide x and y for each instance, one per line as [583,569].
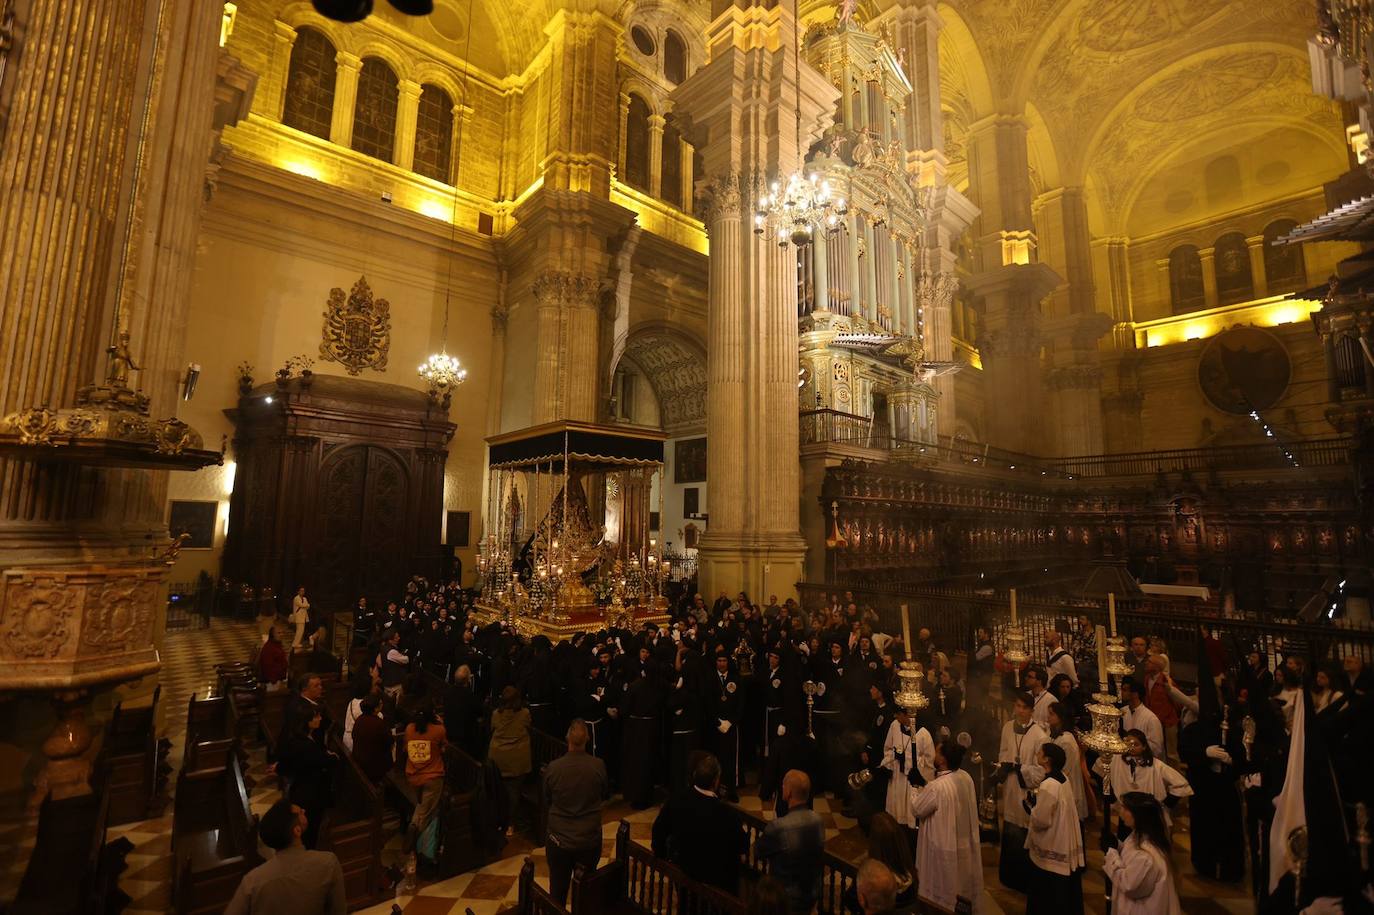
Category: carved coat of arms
[357,329]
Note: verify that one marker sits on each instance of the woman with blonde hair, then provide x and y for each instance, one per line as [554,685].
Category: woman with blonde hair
[510,748]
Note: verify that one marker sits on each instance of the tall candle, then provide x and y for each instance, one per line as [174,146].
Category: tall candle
[906,634]
[1102,657]
[1013,606]
[1111,611]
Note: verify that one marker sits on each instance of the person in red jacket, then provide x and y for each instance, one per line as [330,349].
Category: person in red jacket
[272,663]
[1157,700]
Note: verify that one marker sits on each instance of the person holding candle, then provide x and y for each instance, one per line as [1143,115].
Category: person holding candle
[1018,774]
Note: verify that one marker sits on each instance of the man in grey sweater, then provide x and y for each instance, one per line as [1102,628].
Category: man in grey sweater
[576,786]
[294,881]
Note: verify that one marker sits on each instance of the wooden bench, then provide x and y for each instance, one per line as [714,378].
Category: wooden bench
[648,885]
[544,749]
[352,830]
[214,838]
[71,871]
[837,874]
[469,813]
[134,761]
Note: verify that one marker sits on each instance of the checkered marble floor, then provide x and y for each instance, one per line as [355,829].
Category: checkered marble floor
[189,661]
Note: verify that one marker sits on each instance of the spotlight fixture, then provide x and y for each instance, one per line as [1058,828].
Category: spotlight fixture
[344,10]
[188,384]
[355,10]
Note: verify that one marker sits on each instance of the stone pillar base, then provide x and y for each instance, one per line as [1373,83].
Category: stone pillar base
[759,567]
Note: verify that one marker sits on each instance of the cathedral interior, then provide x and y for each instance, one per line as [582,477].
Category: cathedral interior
[934,302]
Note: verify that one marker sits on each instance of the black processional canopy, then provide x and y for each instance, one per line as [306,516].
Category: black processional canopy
[588,447]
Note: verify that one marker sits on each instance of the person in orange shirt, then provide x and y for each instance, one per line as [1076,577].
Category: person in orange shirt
[1157,700]
[424,745]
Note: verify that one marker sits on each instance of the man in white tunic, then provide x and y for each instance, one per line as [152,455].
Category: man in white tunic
[1019,774]
[949,863]
[1054,841]
[903,751]
[1059,660]
[1136,715]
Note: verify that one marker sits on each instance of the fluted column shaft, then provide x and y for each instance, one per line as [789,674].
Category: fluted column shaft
[407,112]
[345,97]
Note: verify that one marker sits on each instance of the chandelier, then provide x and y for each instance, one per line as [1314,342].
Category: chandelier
[441,371]
[797,209]
[805,201]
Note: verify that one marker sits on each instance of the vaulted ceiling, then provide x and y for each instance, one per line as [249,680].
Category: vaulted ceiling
[1119,92]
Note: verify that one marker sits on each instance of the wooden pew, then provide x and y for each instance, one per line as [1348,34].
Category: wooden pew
[534,899]
[207,719]
[214,838]
[71,871]
[134,759]
[837,874]
[469,813]
[651,886]
[352,830]
[544,749]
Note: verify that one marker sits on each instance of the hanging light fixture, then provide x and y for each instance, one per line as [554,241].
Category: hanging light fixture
[795,208]
[441,371]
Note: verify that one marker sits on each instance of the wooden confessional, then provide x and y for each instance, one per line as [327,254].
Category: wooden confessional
[339,487]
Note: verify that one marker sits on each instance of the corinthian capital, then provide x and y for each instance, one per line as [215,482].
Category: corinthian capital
[564,287]
[721,198]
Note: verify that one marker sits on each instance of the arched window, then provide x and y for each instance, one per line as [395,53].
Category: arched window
[674,58]
[1235,283]
[671,167]
[637,144]
[433,133]
[374,114]
[1185,279]
[309,102]
[1284,270]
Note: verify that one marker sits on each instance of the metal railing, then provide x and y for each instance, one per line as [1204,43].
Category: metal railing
[838,427]
[953,613]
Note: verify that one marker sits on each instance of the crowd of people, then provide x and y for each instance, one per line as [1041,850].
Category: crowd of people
[803,703]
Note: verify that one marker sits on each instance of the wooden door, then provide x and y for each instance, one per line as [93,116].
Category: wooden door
[362,543]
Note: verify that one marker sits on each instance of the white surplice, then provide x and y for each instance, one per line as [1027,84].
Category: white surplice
[1054,840]
[1159,780]
[949,862]
[1020,748]
[1073,772]
[898,759]
[1141,882]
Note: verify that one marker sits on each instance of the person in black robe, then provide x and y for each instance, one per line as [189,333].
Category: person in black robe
[724,704]
[1217,823]
[640,720]
[684,714]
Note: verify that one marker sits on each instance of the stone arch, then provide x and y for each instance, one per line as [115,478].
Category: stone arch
[674,362]
[962,63]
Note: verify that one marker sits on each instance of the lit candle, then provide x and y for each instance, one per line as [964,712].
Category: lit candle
[1102,657]
[1111,611]
[1013,606]
[906,632]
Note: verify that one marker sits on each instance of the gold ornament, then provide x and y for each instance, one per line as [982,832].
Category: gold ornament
[357,329]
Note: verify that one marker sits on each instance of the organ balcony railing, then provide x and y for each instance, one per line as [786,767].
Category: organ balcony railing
[827,426]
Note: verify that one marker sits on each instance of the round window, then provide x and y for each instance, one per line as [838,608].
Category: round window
[643,40]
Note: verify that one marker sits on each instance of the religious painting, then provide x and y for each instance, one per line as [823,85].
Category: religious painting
[357,329]
[458,529]
[691,501]
[689,460]
[196,520]
[1244,369]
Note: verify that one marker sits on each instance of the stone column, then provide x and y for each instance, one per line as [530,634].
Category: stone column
[916,29]
[80,592]
[1209,275]
[462,123]
[345,97]
[407,112]
[283,40]
[656,123]
[1258,276]
[567,343]
[753,471]
[1111,264]
[624,128]
[820,258]
[688,178]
